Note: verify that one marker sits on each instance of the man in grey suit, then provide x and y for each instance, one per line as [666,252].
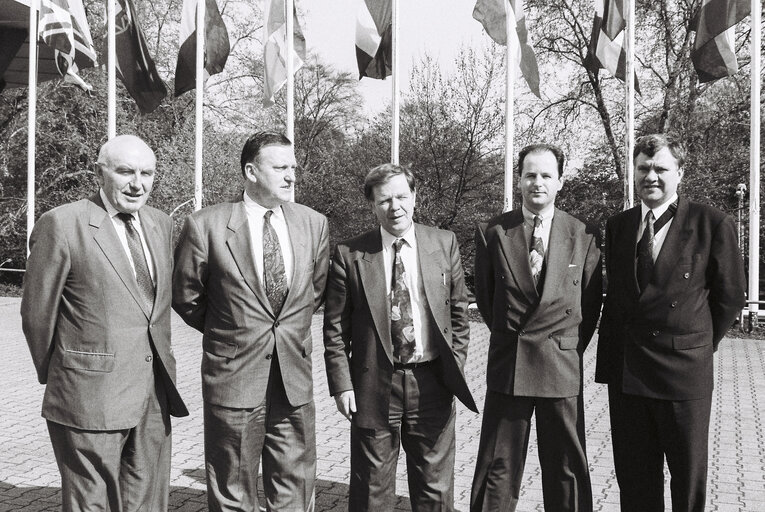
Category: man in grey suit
[538,287]
[249,275]
[396,337]
[96,316]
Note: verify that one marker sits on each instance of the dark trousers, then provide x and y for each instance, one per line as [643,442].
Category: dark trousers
[644,431]
[117,470]
[505,441]
[276,434]
[421,419]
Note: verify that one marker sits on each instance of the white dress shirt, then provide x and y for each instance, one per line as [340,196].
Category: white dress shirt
[255,215]
[660,235]
[122,234]
[545,216]
[424,349]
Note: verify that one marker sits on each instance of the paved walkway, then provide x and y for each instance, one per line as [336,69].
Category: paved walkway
[29,480]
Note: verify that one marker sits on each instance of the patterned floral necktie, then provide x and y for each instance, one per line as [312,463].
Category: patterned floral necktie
[401,323]
[274,276]
[142,275]
[537,250]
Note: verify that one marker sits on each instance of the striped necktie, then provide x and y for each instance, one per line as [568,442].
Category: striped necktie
[140,265]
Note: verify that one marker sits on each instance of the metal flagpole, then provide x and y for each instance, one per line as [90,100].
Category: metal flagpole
[754,167]
[394,84]
[289,8]
[31,117]
[509,106]
[629,78]
[111,69]
[199,99]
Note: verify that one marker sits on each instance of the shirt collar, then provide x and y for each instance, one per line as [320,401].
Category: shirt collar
[388,238]
[110,209]
[259,211]
[546,214]
[658,211]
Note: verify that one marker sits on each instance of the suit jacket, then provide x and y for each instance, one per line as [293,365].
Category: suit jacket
[537,340]
[89,331]
[660,343]
[217,291]
[358,348]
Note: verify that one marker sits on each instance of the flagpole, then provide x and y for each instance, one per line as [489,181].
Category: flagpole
[509,107]
[111,69]
[31,117]
[629,107]
[395,121]
[754,167]
[198,103]
[289,7]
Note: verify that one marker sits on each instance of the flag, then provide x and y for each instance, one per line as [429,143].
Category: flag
[607,48]
[374,39]
[275,49]
[217,45]
[713,53]
[134,65]
[64,28]
[492,15]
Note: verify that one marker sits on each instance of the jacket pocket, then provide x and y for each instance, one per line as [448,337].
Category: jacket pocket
[91,361]
[694,340]
[220,348]
[568,342]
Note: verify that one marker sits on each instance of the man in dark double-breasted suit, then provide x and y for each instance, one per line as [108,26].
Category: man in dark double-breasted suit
[675,285]
[538,288]
[396,337]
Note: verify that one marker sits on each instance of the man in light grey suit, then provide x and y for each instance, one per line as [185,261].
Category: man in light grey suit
[96,316]
[249,275]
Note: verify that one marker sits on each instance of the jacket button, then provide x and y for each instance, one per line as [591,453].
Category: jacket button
[550,336]
[686,275]
[568,311]
[446,302]
[446,329]
[276,324]
[148,359]
[365,369]
[521,333]
[576,281]
[268,356]
[673,305]
[655,333]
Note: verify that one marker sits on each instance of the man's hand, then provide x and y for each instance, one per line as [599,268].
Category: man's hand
[346,403]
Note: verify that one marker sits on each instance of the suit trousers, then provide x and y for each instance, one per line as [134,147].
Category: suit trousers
[421,419]
[276,434]
[124,470]
[644,431]
[504,444]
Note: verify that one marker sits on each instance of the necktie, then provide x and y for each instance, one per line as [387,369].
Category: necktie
[645,252]
[141,267]
[401,323]
[274,276]
[537,250]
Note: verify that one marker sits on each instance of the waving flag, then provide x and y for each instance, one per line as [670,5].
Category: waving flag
[492,15]
[64,28]
[217,45]
[374,39]
[275,49]
[713,53]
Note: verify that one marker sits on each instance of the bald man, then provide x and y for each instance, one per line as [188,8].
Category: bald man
[96,316]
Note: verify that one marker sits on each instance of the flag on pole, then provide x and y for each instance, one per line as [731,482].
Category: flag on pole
[491,14]
[714,53]
[64,28]
[607,48]
[217,45]
[374,39]
[275,49]
[134,65]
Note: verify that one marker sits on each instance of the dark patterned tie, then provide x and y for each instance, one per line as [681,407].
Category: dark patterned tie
[401,323]
[645,252]
[140,265]
[537,250]
[274,276]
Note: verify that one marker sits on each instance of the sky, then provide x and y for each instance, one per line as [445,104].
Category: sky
[439,27]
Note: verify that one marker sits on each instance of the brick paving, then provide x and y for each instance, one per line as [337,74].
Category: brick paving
[29,480]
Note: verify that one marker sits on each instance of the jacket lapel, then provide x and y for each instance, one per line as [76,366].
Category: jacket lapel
[106,237]
[301,255]
[559,255]
[240,246]
[372,273]
[431,267]
[516,249]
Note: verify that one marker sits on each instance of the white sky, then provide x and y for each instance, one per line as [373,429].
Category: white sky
[439,27]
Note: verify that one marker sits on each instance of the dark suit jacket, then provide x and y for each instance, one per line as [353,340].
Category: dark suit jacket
[537,340]
[86,325]
[358,349]
[217,291]
[660,343]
